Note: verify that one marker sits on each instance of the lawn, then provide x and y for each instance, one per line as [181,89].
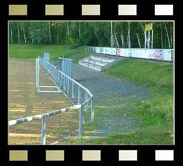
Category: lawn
[31,52]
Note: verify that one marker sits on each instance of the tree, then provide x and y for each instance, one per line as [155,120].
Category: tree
[105,33]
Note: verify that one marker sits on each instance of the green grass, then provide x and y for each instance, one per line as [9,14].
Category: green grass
[156,113]
[155,75]
[31,52]
[153,136]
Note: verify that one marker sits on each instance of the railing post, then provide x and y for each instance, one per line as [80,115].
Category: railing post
[37,74]
[68,85]
[72,89]
[85,100]
[64,82]
[80,121]
[43,130]
[61,82]
[92,110]
[78,94]
[80,114]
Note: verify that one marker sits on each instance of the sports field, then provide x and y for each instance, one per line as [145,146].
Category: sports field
[24,101]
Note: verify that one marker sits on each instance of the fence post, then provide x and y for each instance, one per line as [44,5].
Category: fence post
[80,114]
[92,110]
[37,74]
[68,85]
[78,94]
[43,130]
[80,121]
[72,89]
[61,82]
[64,82]
[85,100]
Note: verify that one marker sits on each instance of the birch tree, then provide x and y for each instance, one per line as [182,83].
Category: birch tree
[50,32]
[18,29]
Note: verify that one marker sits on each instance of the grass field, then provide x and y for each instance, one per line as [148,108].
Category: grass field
[157,113]
[31,52]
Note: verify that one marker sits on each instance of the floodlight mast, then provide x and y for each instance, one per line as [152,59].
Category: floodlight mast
[149,36]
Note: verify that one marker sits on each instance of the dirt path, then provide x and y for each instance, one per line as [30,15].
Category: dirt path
[24,101]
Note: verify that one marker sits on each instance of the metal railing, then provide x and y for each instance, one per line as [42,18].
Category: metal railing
[66,85]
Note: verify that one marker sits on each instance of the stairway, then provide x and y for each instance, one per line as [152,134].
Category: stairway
[97,63]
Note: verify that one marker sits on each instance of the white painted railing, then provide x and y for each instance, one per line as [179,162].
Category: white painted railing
[66,85]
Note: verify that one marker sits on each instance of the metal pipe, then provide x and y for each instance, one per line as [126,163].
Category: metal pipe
[85,100]
[80,121]
[72,89]
[43,130]
[79,94]
[92,110]
[36,72]
[67,86]
[152,40]
[145,40]
[38,75]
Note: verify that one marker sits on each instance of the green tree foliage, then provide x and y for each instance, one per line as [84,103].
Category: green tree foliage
[89,33]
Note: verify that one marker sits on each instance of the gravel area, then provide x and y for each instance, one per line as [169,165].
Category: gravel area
[110,92]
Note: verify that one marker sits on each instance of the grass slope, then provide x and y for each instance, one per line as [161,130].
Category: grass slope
[31,52]
[156,114]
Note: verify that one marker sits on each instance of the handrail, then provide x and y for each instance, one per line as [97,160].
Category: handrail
[53,72]
[40,116]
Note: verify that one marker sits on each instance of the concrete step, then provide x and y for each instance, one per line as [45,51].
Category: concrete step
[102,59]
[97,63]
[90,65]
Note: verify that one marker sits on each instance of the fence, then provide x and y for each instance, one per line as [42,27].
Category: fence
[152,54]
[66,85]
[46,56]
[66,66]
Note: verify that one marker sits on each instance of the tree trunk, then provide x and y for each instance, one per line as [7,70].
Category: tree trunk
[111,36]
[79,31]
[18,34]
[129,40]
[32,38]
[122,40]
[68,28]
[25,40]
[116,40]
[38,39]
[167,36]
[161,38]
[57,37]
[138,40]
[11,34]
[50,32]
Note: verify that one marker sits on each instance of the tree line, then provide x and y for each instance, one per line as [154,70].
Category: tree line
[108,34]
